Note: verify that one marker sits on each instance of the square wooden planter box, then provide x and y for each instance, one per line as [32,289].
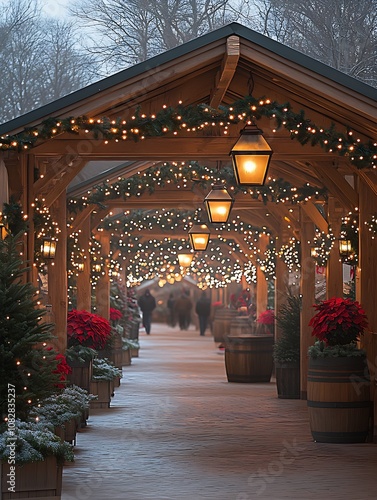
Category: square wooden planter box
[126,357]
[135,353]
[101,388]
[35,481]
[81,374]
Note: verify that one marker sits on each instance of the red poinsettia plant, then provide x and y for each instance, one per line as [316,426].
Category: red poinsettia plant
[266,317]
[62,369]
[338,321]
[115,314]
[87,329]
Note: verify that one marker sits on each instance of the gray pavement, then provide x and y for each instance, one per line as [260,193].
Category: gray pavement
[178,430]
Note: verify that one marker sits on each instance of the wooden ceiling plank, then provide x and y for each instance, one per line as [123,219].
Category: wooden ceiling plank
[228,68]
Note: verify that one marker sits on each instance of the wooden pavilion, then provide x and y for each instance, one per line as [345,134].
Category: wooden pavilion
[215,69]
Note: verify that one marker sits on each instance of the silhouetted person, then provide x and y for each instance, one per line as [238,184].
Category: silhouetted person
[171,313]
[147,304]
[183,306]
[203,310]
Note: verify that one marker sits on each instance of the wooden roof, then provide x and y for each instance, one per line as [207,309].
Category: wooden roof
[219,67]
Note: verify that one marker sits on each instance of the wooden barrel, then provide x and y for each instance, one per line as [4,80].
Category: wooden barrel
[339,399]
[248,358]
[221,323]
[240,325]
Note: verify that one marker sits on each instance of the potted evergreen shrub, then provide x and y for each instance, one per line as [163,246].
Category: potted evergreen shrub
[286,351]
[102,383]
[338,377]
[32,459]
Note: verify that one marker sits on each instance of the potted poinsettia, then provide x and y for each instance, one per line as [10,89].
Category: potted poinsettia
[87,329]
[338,377]
[87,333]
[266,322]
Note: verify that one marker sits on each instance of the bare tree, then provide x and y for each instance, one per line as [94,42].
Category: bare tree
[39,59]
[340,33]
[125,32]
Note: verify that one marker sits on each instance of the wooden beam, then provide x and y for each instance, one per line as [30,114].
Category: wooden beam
[54,170]
[84,288]
[307,289]
[337,185]
[183,147]
[369,178]
[262,284]
[70,173]
[80,219]
[226,73]
[334,268]
[311,211]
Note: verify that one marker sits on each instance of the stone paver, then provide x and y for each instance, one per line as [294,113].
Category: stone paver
[178,430]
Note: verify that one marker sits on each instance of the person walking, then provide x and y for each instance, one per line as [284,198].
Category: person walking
[183,306]
[171,313]
[203,310]
[147,304]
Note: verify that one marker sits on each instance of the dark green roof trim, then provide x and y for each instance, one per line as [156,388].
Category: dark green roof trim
[53,108]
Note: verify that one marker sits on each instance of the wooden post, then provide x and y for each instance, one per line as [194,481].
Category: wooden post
[367,286]
[83,279]
[307,286]
[281,284]
[103,284]
[57,274]
[334,268]
[262,285]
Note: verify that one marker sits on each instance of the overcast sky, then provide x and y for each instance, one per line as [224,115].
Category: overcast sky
[55,8]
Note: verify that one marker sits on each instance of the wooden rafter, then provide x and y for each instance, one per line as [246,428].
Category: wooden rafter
[225,74]
[337,185]
[70,173]
[315,216]
[80,219]
[369,177]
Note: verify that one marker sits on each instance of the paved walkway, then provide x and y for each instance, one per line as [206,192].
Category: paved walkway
[177,430]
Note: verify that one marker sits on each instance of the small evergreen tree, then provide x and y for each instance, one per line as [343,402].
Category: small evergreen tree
[26,364]
[287,346]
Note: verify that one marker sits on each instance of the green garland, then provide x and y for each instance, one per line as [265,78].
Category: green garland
[195,118]
[277,190]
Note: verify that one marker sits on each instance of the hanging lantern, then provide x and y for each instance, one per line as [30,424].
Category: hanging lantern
[251,157]
[199,237]
[97,267]
[345,247]
[48,248]
[218,203]
[185,259]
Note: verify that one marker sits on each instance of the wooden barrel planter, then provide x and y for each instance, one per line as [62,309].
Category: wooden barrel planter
[287,380]
[240,325]
[339,399]
[35,480]
[82,373]
[248,358]
[221,323]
